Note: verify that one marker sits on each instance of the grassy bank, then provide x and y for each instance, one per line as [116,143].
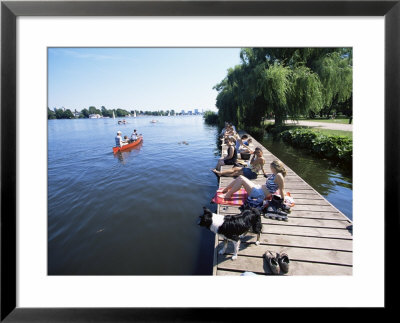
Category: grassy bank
[343,121]
[331,144]
[269,126]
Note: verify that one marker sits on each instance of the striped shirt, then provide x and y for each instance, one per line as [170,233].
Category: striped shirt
[271,185]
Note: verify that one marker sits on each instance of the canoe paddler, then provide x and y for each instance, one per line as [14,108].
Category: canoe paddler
[119,142]
[134,135]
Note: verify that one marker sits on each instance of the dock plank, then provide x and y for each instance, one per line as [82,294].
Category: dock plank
[306,231]
[259,266]
[334,222]
[334,257]
[301,242]
[317,236]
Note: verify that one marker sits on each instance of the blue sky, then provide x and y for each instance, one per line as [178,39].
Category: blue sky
[137,78]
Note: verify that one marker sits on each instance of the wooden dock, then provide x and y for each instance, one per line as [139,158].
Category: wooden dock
[317,237]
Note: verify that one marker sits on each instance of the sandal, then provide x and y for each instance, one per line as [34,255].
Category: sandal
[272,262]
[283,260]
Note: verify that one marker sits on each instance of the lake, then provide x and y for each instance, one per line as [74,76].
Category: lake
[136,212]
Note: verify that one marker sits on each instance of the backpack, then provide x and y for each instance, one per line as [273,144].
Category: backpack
[252,203]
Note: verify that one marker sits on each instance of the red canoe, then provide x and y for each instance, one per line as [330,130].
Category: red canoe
[125,147]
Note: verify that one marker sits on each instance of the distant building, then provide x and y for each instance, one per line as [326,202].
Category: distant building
[196,111]
[189,112]
[183,112]
[94,116]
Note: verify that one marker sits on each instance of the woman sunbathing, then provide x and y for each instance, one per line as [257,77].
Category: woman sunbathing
[275,183]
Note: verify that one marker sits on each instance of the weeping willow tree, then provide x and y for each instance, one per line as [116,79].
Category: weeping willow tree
[284,82]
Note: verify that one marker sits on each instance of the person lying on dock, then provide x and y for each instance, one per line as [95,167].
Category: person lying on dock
[231,157]
[251,172]
[275,184]
[119,142]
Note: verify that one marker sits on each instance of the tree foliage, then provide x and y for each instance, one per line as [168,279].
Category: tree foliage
[50,114]
[211,117]
[61,114]
[282,82]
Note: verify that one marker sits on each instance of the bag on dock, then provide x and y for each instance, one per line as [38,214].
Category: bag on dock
[252,203]
[278,208]
[287,203]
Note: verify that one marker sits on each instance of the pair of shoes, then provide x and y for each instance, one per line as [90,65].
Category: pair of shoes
[283,260]
[272,262]
[278,263]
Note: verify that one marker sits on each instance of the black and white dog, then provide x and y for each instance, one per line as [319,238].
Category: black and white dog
[232,227]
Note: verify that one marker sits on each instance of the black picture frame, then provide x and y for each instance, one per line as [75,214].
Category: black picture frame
[10,10]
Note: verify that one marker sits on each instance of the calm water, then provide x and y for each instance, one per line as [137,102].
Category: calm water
[331,181]
[134,213]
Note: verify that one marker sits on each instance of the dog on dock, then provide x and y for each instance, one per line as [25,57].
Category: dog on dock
[232,227]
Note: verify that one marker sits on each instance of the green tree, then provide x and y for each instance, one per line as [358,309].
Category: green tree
[105,112]
[63,114]
[68,114]
[59,113]
[284,82]
[50,114]
[211,117]
[85,113]
[121,113]
[93,110]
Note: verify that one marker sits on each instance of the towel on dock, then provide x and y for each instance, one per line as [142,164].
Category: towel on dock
[238,198]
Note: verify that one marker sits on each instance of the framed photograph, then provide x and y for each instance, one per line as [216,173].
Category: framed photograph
[39,281]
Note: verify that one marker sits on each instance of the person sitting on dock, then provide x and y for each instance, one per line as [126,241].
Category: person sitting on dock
[222,134]
[231,156]
[251,172]
[229,132]
[241,147]
[275,183]
[119,142]
[245,148]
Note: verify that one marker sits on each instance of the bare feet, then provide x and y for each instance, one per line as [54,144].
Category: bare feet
[216,172]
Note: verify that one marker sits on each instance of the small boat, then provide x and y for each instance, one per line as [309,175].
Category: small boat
[153,121]
[128,146]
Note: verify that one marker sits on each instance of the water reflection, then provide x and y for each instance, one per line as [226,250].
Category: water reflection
[123,155]
[331,180]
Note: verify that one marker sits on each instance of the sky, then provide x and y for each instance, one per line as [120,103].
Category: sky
[147,79]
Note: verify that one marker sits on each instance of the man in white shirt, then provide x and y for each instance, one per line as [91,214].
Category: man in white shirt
[119,142]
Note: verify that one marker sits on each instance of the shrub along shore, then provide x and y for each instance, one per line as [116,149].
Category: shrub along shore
[339,148]
[333,147]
